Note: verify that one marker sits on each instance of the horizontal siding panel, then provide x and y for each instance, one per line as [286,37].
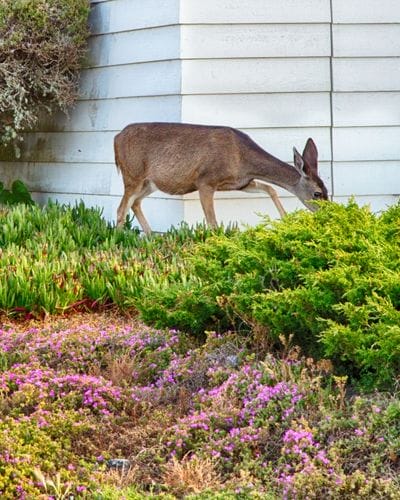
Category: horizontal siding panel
[366,109]
[258,110]
[368,178]
[68,147]
[87,149]
[154,44]
[100,179]
[255,75]
[279,142]
[94,179]
[366,40]
[126,15]
[297,40]
[114,114]
[366,144]
[366,11]
[97,147]
[143,79]
[254,11]
[162,212]
[97,179]
[378,74]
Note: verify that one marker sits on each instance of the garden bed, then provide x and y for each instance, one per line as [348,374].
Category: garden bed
[210,420]
[268,368]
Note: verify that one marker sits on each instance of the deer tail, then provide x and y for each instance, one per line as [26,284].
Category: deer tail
[117,158]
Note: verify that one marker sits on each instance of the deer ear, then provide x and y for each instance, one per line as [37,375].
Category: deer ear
[310,156]
[298,160]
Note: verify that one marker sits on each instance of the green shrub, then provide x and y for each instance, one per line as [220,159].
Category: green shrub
[27,445]
[329,280]
[17,194]
[43,43]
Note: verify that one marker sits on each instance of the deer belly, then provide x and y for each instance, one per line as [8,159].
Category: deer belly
[174,188]
[233,184]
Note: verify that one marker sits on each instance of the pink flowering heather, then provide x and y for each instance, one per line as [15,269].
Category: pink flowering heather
[301,454]
[28,388]
[81,347]
[191,372]
[72,398]
[232,416]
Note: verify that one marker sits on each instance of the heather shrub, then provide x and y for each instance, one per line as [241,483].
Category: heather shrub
[37,354]
[65,399]
[34,34]
[287,430]
[28,388]
[220,419]
[237,418]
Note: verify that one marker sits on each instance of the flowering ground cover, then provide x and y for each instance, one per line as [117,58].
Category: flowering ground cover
[220,418]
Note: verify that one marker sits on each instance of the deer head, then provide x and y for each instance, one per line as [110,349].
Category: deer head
[310,187]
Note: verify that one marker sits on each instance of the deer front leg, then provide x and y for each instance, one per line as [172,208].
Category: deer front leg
[257,186]
[275,198]
[206,194]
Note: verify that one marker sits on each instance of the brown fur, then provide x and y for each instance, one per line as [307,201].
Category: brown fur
[181,158]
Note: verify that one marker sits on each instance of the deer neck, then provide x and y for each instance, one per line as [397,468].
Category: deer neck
[270,169]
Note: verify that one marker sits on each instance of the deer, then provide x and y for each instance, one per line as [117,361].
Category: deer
[180,158]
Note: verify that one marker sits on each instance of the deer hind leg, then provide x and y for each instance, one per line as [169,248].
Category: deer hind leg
[206,194]
[125,205]
[147,189]
[257,186]
[132,199]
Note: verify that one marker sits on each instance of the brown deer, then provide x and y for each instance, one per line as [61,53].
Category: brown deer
[179,158]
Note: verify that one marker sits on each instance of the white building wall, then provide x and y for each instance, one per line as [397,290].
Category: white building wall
[366,101]
[280,71]
[264,67]
[134,74]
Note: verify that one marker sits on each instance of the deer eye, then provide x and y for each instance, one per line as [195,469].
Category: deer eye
[317,195]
